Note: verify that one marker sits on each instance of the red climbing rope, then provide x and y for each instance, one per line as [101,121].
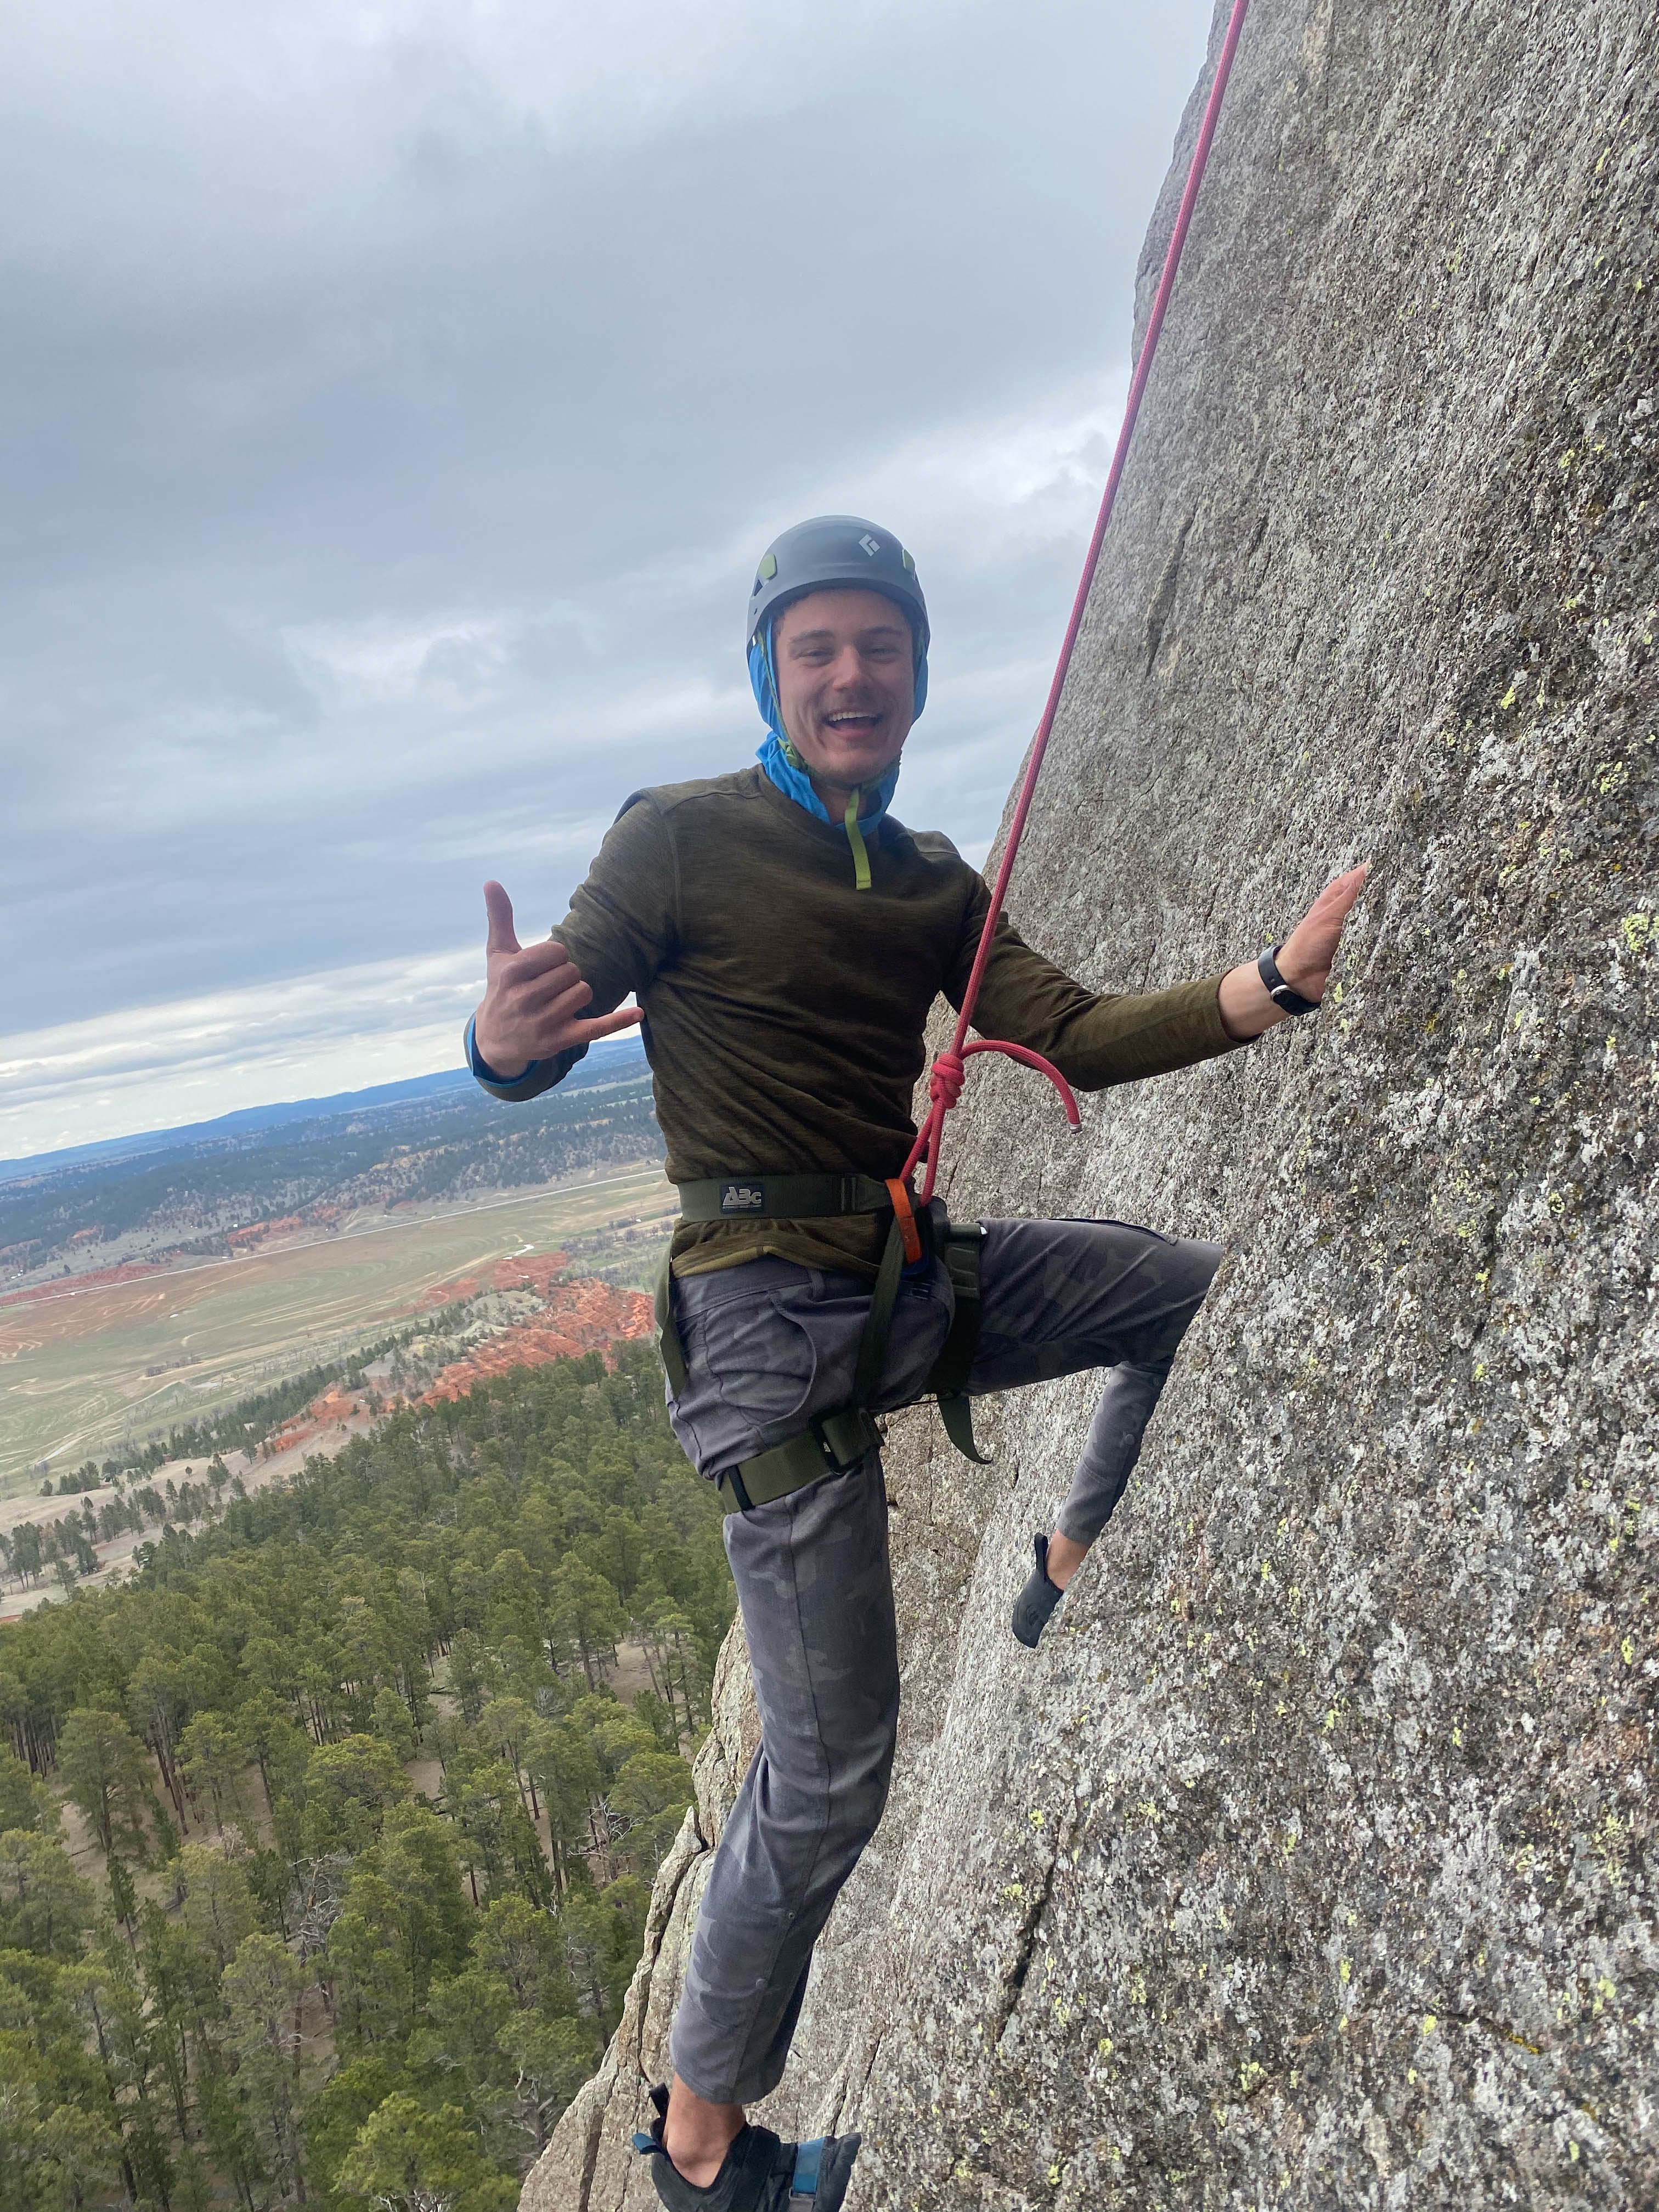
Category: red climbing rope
[945,1083]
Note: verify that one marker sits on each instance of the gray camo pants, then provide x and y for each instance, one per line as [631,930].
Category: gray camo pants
[768,1344]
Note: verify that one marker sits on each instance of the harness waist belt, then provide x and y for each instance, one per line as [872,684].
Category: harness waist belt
[781,1197]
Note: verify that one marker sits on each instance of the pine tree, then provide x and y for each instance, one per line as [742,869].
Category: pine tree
[103,1765]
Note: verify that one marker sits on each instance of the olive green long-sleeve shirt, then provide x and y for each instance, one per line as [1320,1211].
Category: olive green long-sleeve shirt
[785,1008]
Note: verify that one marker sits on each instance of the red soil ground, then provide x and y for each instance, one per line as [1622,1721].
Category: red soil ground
[576,1317]
[579,1316]
[536,1271]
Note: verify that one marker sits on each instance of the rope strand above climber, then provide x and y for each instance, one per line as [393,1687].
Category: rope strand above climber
[930,1138]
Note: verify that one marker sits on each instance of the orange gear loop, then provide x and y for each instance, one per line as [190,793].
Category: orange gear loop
[944,1085]
[899,1192]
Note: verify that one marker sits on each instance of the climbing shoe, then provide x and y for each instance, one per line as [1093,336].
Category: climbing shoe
[760,2173]
[1037,1600]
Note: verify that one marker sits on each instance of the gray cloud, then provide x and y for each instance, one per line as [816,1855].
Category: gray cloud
[394,402]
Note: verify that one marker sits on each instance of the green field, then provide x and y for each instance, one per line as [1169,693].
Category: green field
[84,1369]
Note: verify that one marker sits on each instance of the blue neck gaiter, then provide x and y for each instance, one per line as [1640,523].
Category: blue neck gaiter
[782,764]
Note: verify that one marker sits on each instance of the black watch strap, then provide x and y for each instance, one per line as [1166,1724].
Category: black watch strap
[1288,1000]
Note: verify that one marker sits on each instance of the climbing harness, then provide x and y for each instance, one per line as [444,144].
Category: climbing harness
[836,1441]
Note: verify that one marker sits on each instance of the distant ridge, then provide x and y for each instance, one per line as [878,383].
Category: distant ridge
[606,1063]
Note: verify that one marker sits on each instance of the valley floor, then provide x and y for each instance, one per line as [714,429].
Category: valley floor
[89,1367]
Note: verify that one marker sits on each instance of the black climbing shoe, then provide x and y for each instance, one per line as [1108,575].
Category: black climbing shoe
[1037,1600]
[760,2173]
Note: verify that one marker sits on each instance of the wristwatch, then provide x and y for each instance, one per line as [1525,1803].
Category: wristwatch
[1288,1001]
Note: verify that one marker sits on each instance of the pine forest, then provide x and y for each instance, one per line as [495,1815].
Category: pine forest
[325,1841]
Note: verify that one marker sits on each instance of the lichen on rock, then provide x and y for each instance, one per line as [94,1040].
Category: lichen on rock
[1311,1861]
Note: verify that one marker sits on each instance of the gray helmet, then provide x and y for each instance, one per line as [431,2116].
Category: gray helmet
[831,549]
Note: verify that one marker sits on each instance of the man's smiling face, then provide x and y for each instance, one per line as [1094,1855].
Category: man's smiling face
[846,672]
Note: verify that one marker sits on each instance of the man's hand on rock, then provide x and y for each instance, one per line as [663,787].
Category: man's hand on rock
[533,1000]
[1305,960]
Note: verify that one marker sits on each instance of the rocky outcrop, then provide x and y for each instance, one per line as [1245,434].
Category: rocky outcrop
[577,1316]
[536,1271]
[1311,1862]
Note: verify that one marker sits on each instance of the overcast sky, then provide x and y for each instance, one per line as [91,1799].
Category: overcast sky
[395,401]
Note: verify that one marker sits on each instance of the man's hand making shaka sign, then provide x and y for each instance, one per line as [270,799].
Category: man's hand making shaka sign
[533,999]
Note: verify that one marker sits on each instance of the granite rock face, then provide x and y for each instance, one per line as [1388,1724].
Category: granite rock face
[1311,1861]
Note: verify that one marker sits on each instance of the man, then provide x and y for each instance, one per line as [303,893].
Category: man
[786,938]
